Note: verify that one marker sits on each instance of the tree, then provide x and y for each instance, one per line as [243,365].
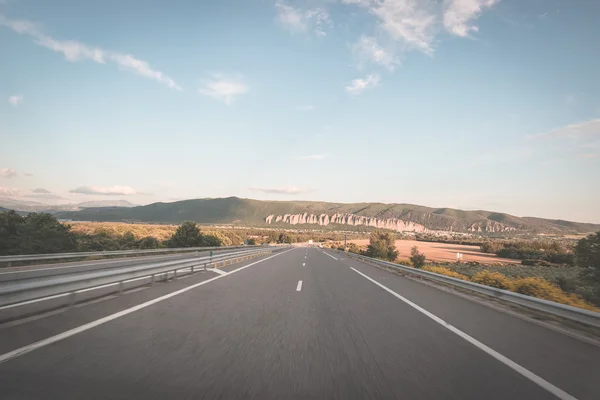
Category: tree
[149,242]
[285,238]
[127,241]
[381,245]
[273,237]
[417,259]
[9,232]
[36,233]
[251,241]
[587,255]
[186,235]
[210,241]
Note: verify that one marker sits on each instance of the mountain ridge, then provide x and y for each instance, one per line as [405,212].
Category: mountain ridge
[395,216]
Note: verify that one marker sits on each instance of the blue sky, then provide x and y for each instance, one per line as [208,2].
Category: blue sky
[473,104]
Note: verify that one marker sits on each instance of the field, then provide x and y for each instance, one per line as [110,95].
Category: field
[444,251]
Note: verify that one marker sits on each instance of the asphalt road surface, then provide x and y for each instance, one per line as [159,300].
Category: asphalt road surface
[300,324]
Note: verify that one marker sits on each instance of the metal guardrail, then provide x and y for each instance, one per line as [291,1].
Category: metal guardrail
[58,256]
[14,293]
[561,310]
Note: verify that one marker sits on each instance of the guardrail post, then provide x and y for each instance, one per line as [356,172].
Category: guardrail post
[192,269]
[152,279]
[121,286]
[72,299]
[174,274]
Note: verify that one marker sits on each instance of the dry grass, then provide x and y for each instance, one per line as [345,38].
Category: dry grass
[446,272]
[534,286]
[160,232]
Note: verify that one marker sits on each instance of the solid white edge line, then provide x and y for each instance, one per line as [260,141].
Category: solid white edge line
[218,271]
[327,254]
[299,287]
[56,296]
[561,394]
[53,339]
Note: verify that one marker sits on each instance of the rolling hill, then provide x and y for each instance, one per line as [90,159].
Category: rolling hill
[399,217]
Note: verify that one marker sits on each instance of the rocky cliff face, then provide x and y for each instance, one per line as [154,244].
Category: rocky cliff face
[490,227]
[394,224]
[346,219]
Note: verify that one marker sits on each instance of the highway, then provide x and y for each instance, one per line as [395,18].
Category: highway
[303,323]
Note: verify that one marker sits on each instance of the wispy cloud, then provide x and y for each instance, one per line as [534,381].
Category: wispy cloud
[6,191]
[296,20]
[407,25]
[76,51]
[358,85]
[8,172]
[28,174]
[580,132]
[306,107]
[367,50]
[106,191]
[411,23]
[224,88]
[41,191]
[314,157]
[15,100]
[459,14]
[588,155]
[291,190]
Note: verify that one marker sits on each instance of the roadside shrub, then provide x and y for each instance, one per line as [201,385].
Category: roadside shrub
[543,289]
[445,271]
[538,263]
[417,259]
[493,279]
[491,247]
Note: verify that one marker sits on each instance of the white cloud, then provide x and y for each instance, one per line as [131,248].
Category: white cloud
[6,191]
[458,15]
[295,20]
[224,88]
[358,85]
[106,191]
[15,100]
[142,68]
[314,157]
[41,191]
[411,22]
[581,131]
[292,190]
[368,50]
[28,174]
[306,107]
[77,51]
[8,172]
[414,24]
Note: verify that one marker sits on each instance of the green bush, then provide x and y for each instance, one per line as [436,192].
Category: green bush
[382,246]
[417,259]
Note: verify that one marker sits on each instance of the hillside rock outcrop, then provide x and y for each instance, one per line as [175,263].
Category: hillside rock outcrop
[346,219]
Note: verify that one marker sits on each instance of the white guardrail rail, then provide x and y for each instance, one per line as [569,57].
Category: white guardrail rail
[64,256]
[561,310]
[20,297]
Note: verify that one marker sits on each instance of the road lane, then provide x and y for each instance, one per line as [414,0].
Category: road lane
[568,363]
[250,334]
